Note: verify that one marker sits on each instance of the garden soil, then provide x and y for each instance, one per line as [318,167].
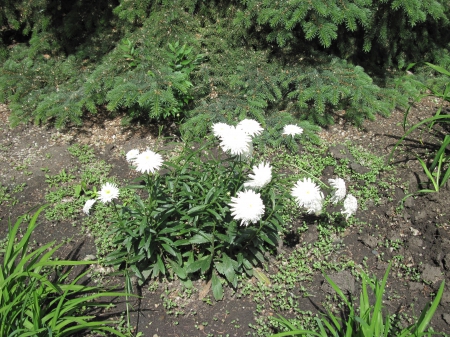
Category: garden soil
[422,226]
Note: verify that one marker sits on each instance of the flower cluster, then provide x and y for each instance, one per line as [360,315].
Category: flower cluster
[145,162]
[247,206]
[350,205]
[339,191]
[108,192]
[237,139]
[262,175]
[292,130]
[308,195]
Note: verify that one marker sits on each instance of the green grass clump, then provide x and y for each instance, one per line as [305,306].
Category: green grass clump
[40,296]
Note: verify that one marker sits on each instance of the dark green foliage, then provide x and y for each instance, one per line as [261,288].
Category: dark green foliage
[377,33]
[277,62]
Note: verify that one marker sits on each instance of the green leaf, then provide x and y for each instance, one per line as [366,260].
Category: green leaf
[160,264]
[258,273]
[202,237]
[169,249]
[197,209]
[224,238]
[257,254]
[228,269]
[217,287]
[180,271]
[213,212]
[202,264]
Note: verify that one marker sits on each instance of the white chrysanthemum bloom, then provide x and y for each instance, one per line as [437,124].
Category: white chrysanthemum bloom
[315,205]
[148,161]
[108,192]
[292,130]
[307,193]
[350,205]
[250,127]
[339,189]
[247,155]
[132,155]
[88,205]
[236,141]
[262,175]
[247,207]
[220,129]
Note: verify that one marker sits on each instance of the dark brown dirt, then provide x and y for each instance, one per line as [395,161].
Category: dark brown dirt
[422,226]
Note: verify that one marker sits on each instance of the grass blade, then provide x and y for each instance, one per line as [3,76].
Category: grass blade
[430,312]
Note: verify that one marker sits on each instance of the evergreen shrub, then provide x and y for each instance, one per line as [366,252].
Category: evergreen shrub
[277,62]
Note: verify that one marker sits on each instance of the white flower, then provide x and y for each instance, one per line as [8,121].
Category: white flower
[315,206]
[88,205]
[247,155]
[236,141]
[350,205]
[247,207]
[292,130]
[308,195]
[262,175]
[250,127]
[339,189]
[148,161]
[132,155]
[219,129]
[108,192]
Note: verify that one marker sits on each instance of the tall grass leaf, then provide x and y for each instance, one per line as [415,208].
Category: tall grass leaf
[12,234]
[321,328]
[429,175]
[438,69]
[445,177]
[32,224]
[364,305]
[440,153]
[10,257]
[387,327]
[31,260]
[430,312]
[335,321]
[414,127]
[283,321]
[378,302]
[329,326]
[338,291]
[86,300]
[92,326]
[297,333]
